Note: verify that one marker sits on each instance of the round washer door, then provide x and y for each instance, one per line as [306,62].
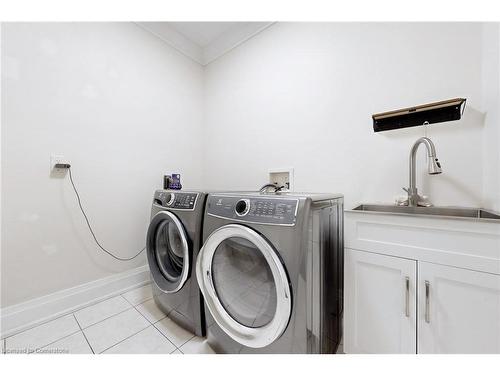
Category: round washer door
[245,285]
[168,252]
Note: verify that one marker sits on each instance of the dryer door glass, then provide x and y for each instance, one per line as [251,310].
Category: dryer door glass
[244,282]
[168,252]
[245,285]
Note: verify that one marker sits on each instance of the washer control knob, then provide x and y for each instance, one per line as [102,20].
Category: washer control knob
[242,207]
[169,199]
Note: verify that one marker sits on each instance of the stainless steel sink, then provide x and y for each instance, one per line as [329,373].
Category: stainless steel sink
[474,213]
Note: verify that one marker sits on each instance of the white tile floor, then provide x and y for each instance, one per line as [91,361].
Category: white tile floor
[130,323]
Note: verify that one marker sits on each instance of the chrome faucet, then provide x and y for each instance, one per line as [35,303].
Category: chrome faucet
[433,167]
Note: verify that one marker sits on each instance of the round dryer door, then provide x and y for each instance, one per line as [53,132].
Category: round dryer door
[245,285]
[168,252]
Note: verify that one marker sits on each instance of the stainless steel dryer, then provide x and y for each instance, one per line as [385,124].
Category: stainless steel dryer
[173,242]
[271,272]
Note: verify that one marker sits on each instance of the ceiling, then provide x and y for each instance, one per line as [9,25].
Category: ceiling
[204,41]
[202,33]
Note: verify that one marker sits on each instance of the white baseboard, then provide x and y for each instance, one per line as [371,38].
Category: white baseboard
[28,314]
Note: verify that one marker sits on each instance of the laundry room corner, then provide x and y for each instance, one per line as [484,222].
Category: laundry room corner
[274,186]
[105,96]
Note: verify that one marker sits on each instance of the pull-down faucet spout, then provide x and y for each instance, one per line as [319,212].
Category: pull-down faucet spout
[433,167]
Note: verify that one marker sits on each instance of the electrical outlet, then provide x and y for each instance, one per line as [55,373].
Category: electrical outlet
[57,159]
[282,177]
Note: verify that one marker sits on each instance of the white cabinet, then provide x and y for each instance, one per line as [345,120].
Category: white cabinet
[454,295]
[458,310]
[453,311]
[380,309]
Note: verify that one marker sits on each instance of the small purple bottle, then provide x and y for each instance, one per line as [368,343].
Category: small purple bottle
[175,183]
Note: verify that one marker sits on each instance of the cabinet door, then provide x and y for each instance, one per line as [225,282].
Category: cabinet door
[380,303]
[458,310]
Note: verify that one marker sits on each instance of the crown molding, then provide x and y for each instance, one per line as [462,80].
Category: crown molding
[230,40]
[217,48]
[174,39]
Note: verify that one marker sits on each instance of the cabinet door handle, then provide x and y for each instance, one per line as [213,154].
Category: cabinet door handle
[407,296]
[427,310]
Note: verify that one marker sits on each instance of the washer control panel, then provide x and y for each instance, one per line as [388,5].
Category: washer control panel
[278,211]
[177,200]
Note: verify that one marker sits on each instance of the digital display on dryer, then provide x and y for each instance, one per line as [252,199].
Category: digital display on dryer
[271,209]
[184,200]
[277,211]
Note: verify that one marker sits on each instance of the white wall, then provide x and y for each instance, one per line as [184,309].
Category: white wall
[302,95]
[491,107]
[109,97]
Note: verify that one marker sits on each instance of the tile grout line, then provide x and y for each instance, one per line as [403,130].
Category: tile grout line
[135,307]
[185,344]
[64,337]
[38,325]
[82,330]
[84,336]
[161,333]
[61,338]
[50,343]
[139,303]
[132,307]
[59,317]
[127,309]
[192,338]
[147,299]
[75,311]
[119,342]
[126,300]
[108,317]
[178,347]
[72,333]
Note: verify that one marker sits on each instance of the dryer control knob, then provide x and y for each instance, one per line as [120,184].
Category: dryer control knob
[169,199]
[242,207]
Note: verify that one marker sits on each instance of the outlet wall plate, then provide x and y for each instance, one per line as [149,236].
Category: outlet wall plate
[282,176]
[57,159]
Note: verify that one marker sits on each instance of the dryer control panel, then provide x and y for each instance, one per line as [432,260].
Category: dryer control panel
[261,210]
[176,199]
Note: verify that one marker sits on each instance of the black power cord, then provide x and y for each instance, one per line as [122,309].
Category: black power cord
[275,186]
[87,219]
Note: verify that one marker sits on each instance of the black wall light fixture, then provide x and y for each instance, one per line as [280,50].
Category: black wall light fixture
[446,110]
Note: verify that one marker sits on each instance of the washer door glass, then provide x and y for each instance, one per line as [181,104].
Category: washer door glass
[168,252]
[245,285]
[244,282]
